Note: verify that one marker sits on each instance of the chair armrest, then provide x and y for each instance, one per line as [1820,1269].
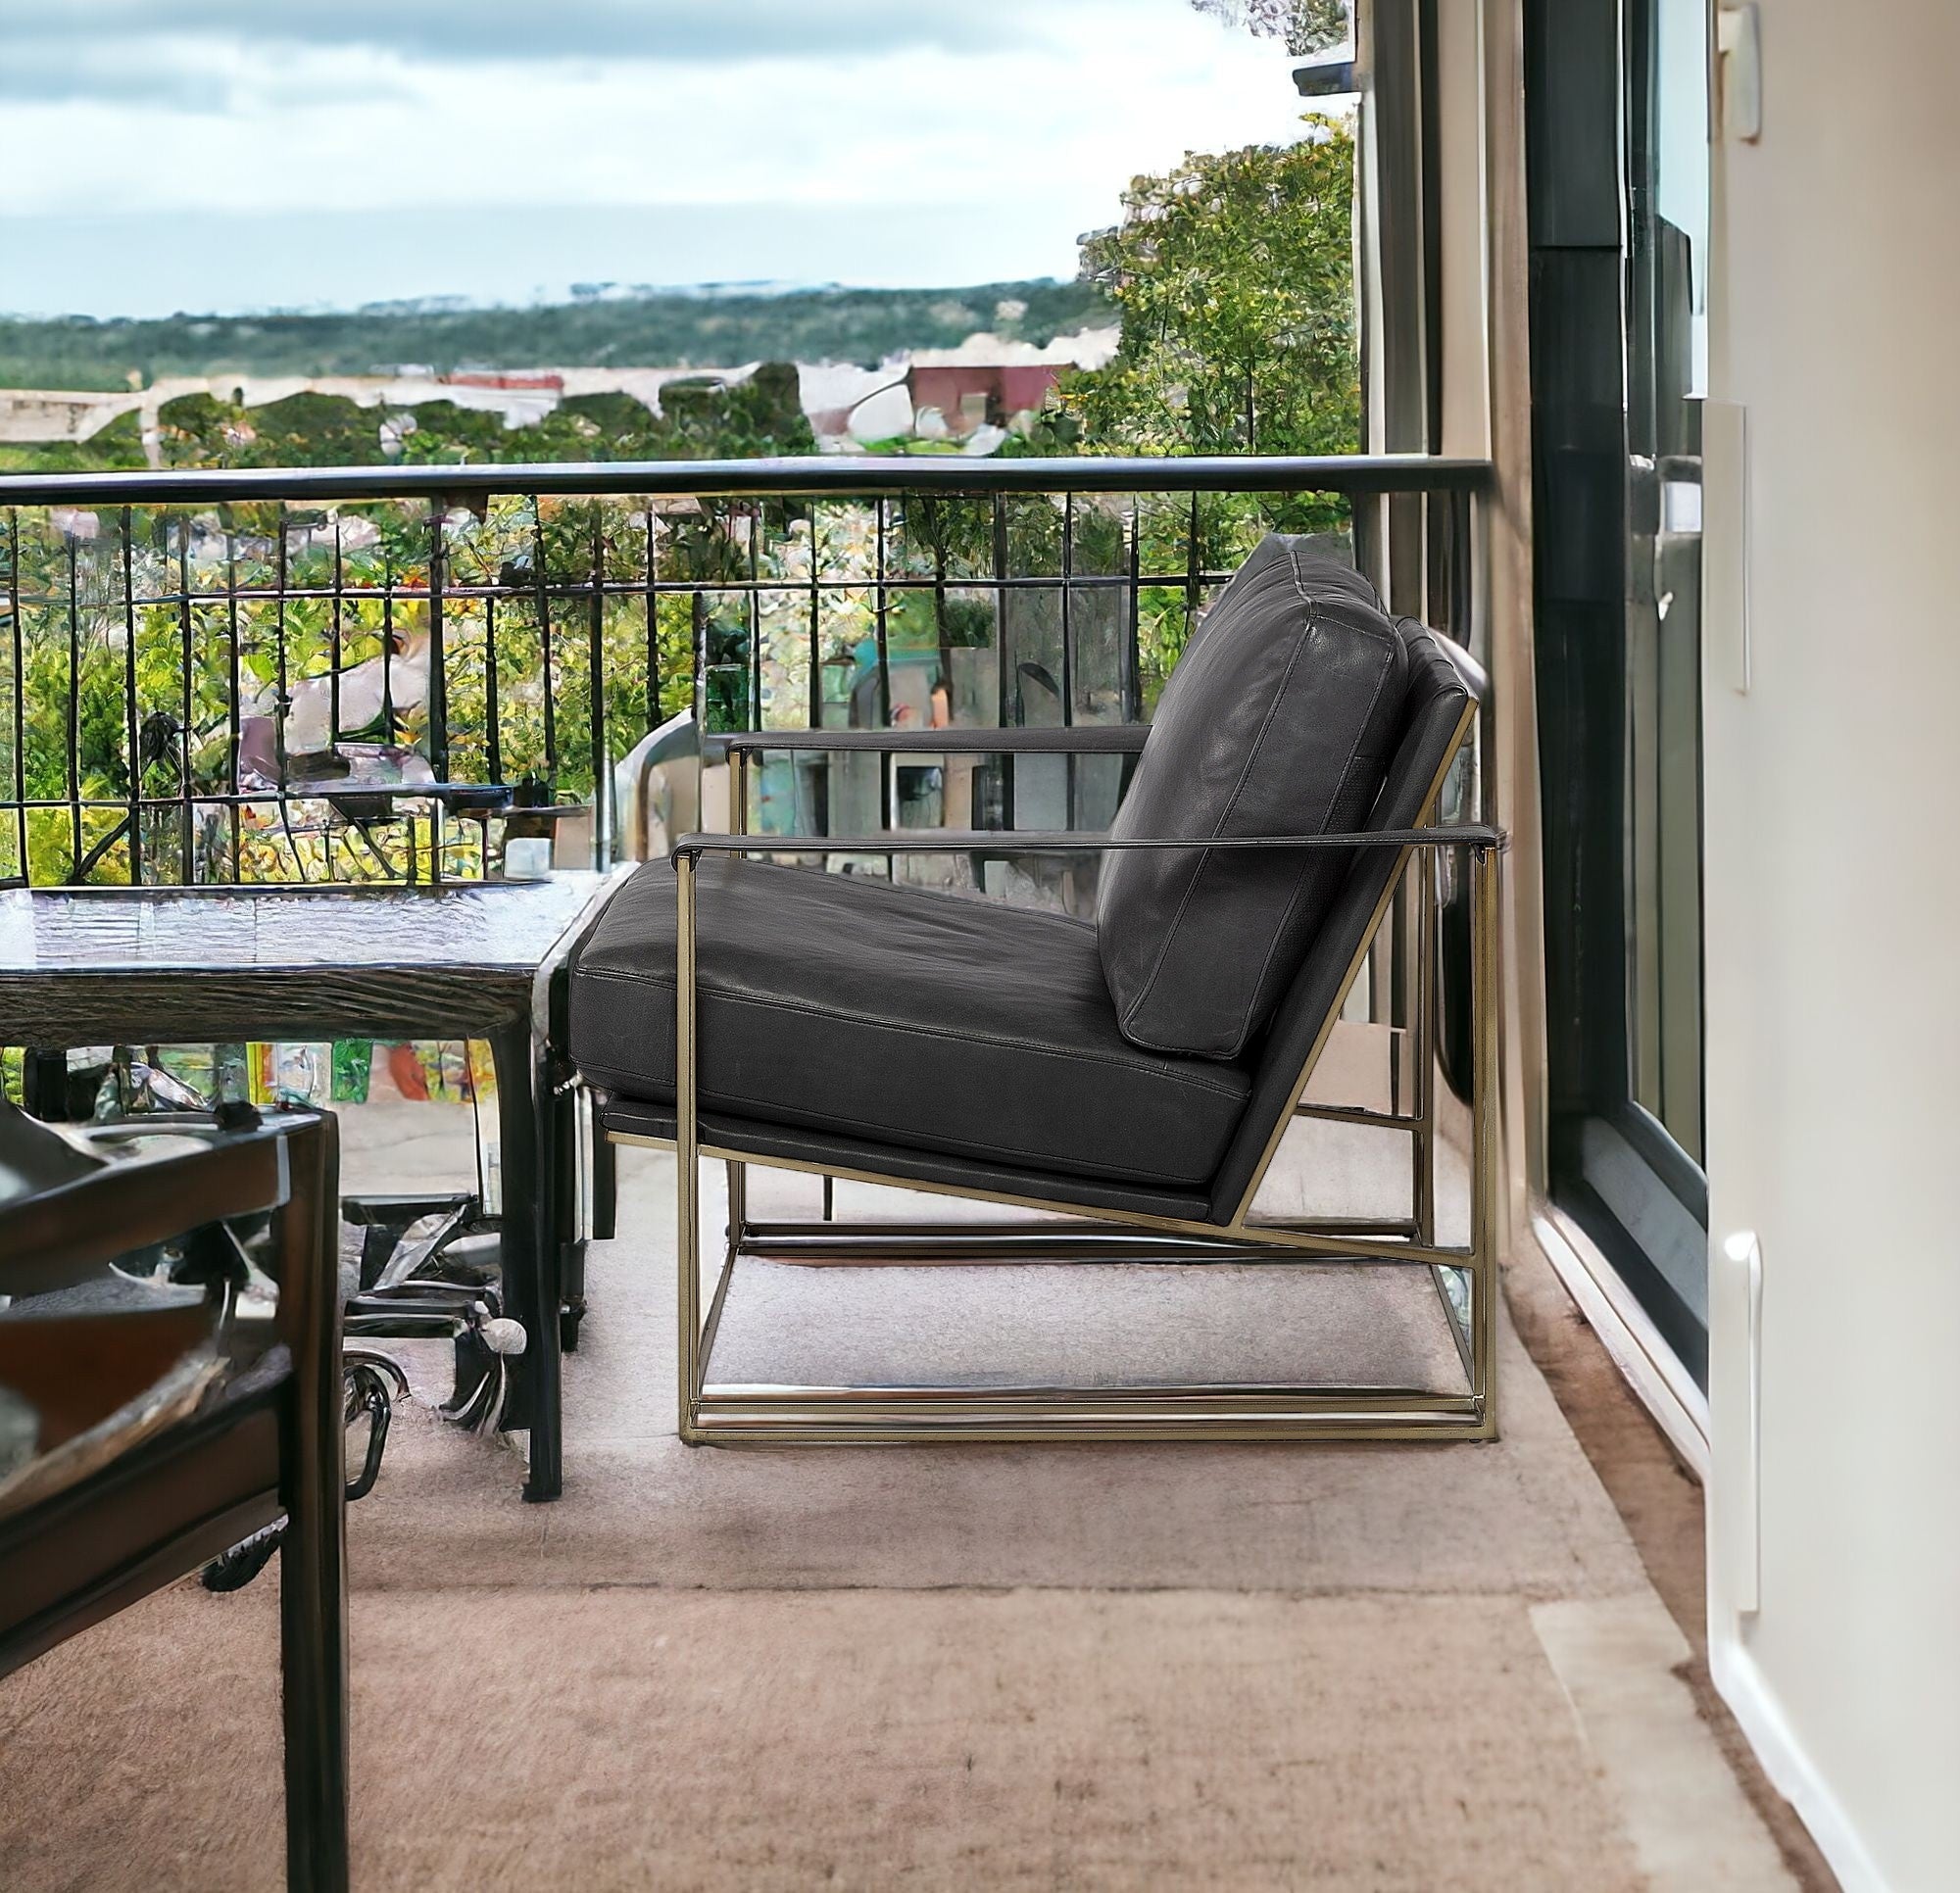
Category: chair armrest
[1079,738]
[60,1235]
[961,840]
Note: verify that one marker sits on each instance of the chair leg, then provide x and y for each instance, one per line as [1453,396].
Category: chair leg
[1486,1180]
[313,1573]
[563,1122]
[556,1171]
[604,1187]
[312,1638]
[687,1266]
[526,1129]
[687,1163]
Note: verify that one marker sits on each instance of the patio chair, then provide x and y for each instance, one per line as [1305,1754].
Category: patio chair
[150,1419]
[1138,1071]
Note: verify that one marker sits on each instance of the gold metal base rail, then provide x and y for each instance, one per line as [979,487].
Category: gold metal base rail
[730,1414]
[1084,1418]
[1268,1240]
[913,1243]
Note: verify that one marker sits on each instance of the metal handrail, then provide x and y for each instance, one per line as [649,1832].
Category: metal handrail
[1071,739]
[573,611]
[841,474]
[961,841]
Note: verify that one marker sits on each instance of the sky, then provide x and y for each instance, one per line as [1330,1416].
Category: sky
[226,155]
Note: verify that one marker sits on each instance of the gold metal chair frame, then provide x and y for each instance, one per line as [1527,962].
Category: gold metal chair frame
[895,1415]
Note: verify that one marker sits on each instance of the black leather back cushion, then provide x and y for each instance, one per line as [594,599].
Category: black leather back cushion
[1442,683]
[1280,719]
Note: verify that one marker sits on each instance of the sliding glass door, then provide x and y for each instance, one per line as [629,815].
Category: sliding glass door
[1618,177]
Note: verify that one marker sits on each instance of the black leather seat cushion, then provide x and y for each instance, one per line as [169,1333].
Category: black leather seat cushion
[1280,719]
[928,1020]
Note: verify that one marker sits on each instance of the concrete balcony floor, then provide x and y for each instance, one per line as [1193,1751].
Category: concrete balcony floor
[1370,1667]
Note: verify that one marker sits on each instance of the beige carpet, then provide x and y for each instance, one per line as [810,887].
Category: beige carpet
[954,1666]
[800,1739]
[1115,1325]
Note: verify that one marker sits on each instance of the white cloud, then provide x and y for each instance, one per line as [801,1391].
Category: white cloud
[56,42]
[1041,112]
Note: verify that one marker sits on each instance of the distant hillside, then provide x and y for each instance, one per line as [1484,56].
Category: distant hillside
[673,328]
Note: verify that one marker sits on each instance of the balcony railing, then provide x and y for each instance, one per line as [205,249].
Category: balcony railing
[387,673]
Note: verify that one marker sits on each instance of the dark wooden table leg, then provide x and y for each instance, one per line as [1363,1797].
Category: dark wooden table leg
[44,1084]
[313,1574]
[530,1239]
[557,1225]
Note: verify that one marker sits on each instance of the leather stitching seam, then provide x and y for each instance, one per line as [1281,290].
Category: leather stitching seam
[1074,1056]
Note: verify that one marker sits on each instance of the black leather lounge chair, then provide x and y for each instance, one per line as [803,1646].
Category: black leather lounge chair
[1138,1071]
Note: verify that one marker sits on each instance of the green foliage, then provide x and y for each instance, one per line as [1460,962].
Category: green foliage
[199,430]
[182,655]
[1305,25]
[1235,279]
[111,448]
[1317,26]
[305,429]
[595,426]
[757,417]
[700,419]
[452,435]
[309,430]
[672,328]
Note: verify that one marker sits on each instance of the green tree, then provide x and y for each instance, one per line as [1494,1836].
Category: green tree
[117,447]
[447,432]
[1306,25]
[309,430]
[761,415]
[1235,279]
[701,418]
[200,430]
[1234,276]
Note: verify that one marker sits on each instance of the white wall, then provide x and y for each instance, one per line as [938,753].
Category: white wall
[1833,929]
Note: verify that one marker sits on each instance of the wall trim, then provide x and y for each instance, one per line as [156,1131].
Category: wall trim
[1635,1345]
[1680,1409]
[1792,1772]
